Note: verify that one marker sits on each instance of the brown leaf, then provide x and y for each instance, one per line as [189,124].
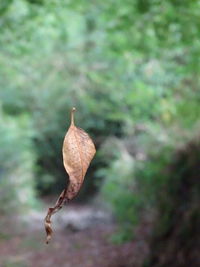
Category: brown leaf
[78,151]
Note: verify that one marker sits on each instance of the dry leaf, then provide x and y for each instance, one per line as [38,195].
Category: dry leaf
[78,151]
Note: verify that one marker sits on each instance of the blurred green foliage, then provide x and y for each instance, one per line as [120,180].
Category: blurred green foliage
[132,70]
[17,162]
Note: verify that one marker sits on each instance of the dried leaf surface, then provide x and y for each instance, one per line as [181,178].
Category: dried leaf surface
[78,151]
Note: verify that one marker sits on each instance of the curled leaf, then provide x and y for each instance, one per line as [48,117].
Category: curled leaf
[78,151]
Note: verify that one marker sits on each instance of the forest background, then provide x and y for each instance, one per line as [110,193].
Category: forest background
[132,70]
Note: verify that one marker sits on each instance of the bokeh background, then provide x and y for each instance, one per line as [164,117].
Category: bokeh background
[132,70]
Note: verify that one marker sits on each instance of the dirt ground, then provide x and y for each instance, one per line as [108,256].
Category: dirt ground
[82,238]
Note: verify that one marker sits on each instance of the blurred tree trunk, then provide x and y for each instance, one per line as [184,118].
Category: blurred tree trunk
[176,238]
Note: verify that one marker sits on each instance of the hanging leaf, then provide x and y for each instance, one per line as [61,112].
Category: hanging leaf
[78,151]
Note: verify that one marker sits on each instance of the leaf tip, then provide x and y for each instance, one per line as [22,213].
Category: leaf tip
[48,230]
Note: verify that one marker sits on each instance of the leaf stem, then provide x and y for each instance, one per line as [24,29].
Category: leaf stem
[72,115]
